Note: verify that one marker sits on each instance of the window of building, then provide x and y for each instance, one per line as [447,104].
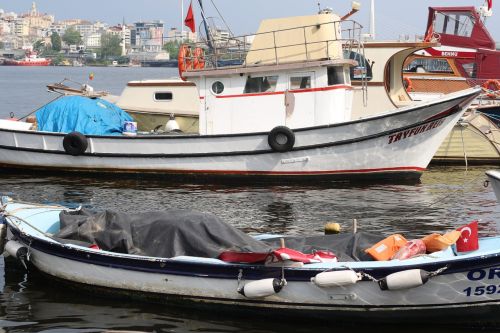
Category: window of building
[300,82]
[261,84]
[163,96]
[217,87]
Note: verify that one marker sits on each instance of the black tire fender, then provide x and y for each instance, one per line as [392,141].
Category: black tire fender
[281,139]
[75,143]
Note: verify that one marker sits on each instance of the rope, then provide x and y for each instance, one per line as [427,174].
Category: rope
[29,114]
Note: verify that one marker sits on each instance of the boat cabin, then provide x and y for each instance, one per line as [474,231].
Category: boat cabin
[294,73]
[465,39]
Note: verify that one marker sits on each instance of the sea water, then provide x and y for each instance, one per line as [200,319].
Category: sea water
[445,198]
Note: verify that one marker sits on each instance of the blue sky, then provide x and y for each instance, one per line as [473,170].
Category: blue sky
[393,17]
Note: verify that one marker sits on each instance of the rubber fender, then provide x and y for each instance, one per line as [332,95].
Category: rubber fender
[75,143]
[281,139]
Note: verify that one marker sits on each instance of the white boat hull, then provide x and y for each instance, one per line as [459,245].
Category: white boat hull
[402,142]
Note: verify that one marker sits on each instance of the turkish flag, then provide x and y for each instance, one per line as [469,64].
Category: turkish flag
[468,240]
[189,20]
[490,4]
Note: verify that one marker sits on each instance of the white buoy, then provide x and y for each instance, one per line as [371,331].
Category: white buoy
[3,235]
[262,288]
[16,249]
[336,278]
[404,280]
[172,125]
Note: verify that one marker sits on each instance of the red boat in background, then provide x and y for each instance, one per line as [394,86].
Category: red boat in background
[31,59]
[467,55]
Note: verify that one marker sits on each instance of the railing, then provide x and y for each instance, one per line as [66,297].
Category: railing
[221,52]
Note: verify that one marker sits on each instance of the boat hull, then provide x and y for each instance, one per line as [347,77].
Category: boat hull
[458,295]
[400,143]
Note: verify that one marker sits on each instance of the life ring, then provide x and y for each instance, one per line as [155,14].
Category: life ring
[281,139]
[492,88]
[407,84]
[199,58]
[75,143]
[185,60]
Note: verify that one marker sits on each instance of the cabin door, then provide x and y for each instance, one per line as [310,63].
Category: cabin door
[300,100]
[217,109]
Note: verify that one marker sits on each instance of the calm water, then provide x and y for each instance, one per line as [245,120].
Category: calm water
[444,199]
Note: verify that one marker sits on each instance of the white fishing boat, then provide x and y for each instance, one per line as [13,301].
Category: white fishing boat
[204,262]
[284,113]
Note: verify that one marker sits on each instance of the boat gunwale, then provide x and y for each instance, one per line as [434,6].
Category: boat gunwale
[157,265]
[467,94]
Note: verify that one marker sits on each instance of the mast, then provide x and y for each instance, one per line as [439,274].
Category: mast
[182,20]
[372,19]
[205,24]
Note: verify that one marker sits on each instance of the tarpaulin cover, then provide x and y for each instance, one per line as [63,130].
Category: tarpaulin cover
[90,116]
[189,233]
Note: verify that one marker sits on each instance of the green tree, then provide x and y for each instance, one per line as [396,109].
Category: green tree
[39,46]
[55,40]
[2,45]
[72,36]
[172,48]
[110,46]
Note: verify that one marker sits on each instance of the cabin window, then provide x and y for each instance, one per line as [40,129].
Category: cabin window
[217,87]
[300,82]
[335,75]
[428,65]
[470,69]
[163,96]
[260,84]
[363,70]
[454,23]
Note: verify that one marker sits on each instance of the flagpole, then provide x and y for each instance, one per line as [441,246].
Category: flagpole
[182,20]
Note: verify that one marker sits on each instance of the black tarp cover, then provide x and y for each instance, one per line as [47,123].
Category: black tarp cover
[189,233]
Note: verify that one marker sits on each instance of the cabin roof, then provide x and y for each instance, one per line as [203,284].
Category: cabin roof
[224,71]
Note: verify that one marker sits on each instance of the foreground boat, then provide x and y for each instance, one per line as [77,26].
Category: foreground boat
[445,286]
[494,179]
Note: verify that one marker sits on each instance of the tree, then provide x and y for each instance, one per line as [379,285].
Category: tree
[72,37]
[110,46]
[55,40]
[172,48]
[39,46]
[2,45]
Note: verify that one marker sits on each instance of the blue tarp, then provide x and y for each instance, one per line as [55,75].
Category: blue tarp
[90,116]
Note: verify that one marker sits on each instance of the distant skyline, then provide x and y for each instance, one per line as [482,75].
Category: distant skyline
[393,18]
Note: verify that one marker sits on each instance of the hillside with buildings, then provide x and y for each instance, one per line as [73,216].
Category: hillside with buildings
[83,41]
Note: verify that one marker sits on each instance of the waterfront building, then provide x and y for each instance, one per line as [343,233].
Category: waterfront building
[147,36]
[176,35]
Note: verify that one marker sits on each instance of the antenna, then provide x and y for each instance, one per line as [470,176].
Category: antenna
[372,19]
[319,6]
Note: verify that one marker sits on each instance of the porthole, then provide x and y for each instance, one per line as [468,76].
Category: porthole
[217,87]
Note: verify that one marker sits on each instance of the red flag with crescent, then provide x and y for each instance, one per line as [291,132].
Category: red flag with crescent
[468,240]
[189,20]
[490,4]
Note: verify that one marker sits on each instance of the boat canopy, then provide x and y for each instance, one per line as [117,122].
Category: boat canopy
[178,232]
[89,116]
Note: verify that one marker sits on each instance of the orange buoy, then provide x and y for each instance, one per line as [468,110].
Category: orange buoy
[199,58]
[185,60]
[407,84]
[492,88]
